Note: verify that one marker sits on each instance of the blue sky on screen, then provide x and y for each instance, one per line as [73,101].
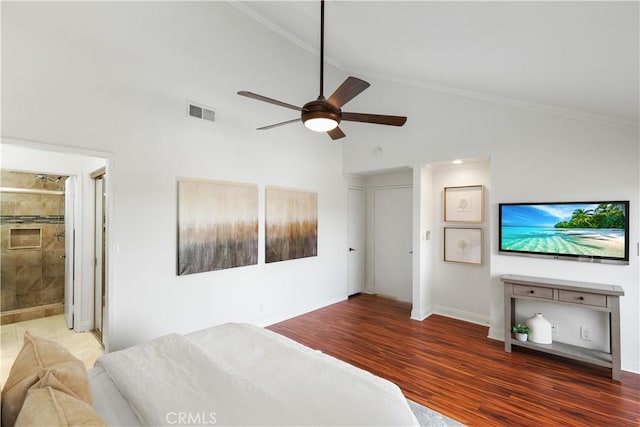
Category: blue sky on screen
[539,215]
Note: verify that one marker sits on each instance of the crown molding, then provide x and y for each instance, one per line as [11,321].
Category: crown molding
[511,102]
[282,32]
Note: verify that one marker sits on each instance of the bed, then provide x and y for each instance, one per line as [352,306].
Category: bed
[232,374]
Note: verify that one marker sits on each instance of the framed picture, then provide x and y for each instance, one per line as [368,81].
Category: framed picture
[463,245]
[217,225]
[463,204]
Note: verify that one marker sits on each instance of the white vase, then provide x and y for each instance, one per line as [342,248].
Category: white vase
[539,329]
[521,336]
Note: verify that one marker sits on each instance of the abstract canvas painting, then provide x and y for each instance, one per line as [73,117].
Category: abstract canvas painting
[291,224]
[217,225]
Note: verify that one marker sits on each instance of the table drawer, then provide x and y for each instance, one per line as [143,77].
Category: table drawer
[582,298]
[533,291]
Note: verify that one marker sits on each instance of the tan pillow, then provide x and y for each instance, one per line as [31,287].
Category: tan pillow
[50,407]
[36,356]
[68,377]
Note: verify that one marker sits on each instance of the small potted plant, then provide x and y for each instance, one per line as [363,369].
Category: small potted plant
[521,331]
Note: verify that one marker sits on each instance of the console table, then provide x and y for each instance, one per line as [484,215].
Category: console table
[594,296]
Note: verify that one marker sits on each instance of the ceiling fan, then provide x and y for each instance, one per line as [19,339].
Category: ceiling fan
[324,115]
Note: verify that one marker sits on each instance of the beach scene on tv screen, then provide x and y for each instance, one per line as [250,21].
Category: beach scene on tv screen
[582,229]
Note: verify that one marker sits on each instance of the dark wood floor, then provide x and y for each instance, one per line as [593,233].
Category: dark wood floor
[452,367]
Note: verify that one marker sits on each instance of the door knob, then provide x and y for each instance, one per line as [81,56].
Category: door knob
[351,250]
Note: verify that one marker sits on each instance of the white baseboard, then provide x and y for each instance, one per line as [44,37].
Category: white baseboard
[420,315]
[496,334]
[281,317]
[461,315]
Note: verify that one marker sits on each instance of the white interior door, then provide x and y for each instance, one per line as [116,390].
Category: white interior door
[69,247]
[393,243]
[355,225]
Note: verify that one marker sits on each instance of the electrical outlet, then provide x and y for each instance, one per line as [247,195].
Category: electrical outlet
[585,333]
[554,327]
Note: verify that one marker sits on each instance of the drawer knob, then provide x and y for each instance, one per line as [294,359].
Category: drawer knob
[532,291]
[581,298]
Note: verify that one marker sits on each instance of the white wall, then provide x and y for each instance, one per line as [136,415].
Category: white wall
[535,156]
[424,245]
[459,290]
[115,77]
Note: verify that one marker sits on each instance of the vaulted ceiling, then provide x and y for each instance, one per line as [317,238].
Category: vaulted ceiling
[580,56]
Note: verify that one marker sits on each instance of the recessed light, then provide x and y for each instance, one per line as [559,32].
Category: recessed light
[457,162]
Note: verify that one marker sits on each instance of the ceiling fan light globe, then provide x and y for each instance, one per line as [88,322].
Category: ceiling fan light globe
[320,124]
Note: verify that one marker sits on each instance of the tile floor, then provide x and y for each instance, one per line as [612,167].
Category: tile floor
[84,346]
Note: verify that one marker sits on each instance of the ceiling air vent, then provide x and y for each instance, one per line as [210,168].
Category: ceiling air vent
[200,112]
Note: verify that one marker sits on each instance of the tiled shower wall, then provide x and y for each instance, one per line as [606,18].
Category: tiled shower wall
[32,242]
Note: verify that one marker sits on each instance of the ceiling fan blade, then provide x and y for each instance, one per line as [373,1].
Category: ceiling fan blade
[348,90]
[278,124]
[336,133]
[269,100]
[374,118]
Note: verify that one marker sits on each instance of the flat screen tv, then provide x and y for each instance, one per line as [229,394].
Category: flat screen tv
[581,231]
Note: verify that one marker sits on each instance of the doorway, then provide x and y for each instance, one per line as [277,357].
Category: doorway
[59,161]
[393,254]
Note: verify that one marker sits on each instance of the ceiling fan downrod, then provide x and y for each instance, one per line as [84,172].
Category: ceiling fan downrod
[321,96]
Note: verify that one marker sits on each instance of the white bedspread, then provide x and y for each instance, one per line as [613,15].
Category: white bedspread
[238,374]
